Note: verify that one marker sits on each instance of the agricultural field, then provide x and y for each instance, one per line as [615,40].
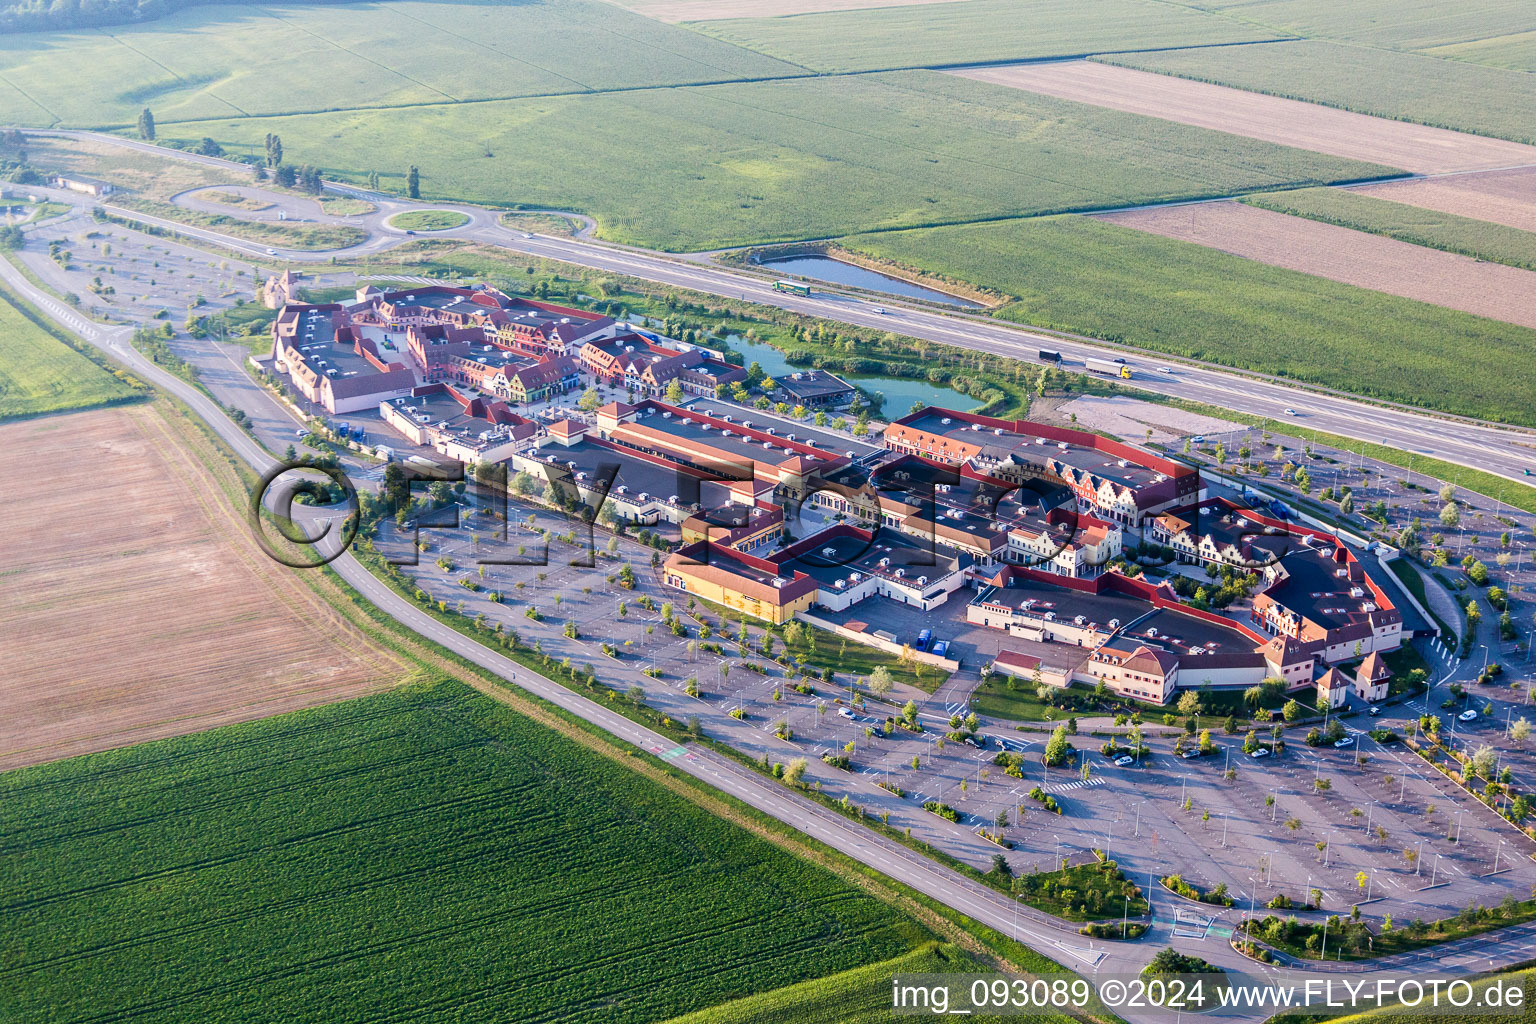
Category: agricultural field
[1364,211]
[40,374]
[139,606]
[1110,282]
[859,996]
[1413,147]
[1427,26]
[1503,197]
[425,854]
[1402,86]
[976,32]
[675,11]
[747,163]
[1344,254]
[236,61]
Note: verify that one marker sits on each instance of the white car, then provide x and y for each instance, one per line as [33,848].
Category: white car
[1164,369]
[1291,412]
[1467,715]
[845,712]
[880,310]
[1124,760]
[271,252]
[1345,742]
[1374,712]
[1190,755]
[1260,752]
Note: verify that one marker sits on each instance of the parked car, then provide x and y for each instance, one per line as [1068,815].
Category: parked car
[921,644]
[1260,752]
[1190,755]
[1374,712]
[972,741]
[1347,741]
[1124,759]
[940,648]
[1467,715]
[845,712]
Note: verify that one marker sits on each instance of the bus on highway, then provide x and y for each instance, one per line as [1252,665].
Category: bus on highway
[792,286]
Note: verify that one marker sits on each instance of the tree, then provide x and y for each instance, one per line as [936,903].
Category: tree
[1450,515]
[590,400]
[1291,711]
[674,392]
[274,150]
[1347,504]
[1056,747]
[1189,703]
[11,238]
[413,183]
[909,712]
[1520,730]
[146,124]
[1483,761]
[793,773]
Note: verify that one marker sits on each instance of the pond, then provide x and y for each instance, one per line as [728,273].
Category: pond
[899,392]
[824,268]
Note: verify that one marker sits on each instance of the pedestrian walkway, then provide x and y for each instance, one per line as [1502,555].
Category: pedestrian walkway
[1067,787]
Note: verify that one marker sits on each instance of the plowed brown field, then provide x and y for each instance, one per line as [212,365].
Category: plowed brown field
[1504,197]
[1354,257]
[1412,147]
[136,605]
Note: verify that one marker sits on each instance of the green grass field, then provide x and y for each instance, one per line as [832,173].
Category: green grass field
[426,854]
[1393,84]
[1088,277]
[976,31]
[235,61]
[41,374]
[1424,25]
[860,996]
[428,220]
[1498,243]
[787,160]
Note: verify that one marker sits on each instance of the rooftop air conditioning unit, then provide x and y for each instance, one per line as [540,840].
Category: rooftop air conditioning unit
[945,421]
[1078,620]
[998,431]
[770,430]
[767,444]
[1151,631]
[1062,445]
[854,577]
[1114,623]
[828,552]
[581,476]
[1197,650]
[725,432]
[1050,616]
[922,581]
[976,426]
[840,584]
[884,562]
[672,499]
[900,573]
[778,584]
[666,415]
[620,489]
[644,496]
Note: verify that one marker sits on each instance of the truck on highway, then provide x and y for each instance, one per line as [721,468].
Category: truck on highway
[793,287]
[1108,367]
[1047,356]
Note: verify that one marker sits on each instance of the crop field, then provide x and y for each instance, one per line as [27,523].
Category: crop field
[1402,86]
[137,605]
[1504,197]
[1395,218]
[1344,254]
[785,160]
[1098,279]
[859,996]
[233,61]
[41,374]
[1342,133]
[674,11]
[425,854]
[1424,25]
[976,32]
